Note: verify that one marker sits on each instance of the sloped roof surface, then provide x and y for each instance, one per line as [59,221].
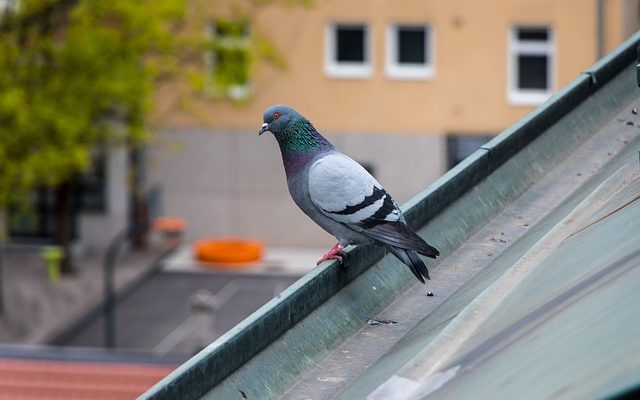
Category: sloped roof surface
[535,295]
[555,313]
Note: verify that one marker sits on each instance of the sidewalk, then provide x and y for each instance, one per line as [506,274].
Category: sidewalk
[35,309]
[277,261]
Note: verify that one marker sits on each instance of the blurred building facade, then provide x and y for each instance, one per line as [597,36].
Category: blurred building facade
[408,88]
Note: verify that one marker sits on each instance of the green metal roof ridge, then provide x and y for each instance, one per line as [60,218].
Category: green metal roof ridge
[216,362]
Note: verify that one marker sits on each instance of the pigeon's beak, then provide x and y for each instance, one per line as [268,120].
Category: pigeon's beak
[263,129]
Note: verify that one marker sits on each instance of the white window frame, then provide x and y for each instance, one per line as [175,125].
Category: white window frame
[416,71]
[525,97]
[347,70]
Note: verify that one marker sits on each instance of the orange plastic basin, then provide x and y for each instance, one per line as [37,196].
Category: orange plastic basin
[228,251]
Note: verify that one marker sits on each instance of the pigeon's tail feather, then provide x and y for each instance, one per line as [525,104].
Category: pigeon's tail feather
[398,234]
[413,261]
[428,251]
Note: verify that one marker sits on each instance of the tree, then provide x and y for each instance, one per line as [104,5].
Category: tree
[70,71]
[79,74]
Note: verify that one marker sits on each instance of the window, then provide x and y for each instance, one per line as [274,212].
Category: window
[347,51]
[461,146]
[91,186]
[409,52]
[36,223]
[531,63]
[229,59]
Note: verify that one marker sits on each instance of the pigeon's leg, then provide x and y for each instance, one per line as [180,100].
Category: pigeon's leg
[335,253]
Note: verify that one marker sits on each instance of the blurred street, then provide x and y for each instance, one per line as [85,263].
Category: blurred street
[177,310]
[183,312]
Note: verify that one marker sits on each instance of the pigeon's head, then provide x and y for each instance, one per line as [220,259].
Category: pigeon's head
[293,132]
[276,118]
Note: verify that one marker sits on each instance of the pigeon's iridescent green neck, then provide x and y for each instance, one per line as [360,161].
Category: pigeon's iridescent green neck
[300,137]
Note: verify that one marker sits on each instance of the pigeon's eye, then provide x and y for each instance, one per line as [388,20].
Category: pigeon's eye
[276,115]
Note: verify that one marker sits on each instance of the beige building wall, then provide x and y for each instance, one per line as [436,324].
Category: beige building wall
[468,92]
[225,180]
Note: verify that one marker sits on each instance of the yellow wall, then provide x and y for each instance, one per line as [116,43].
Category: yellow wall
[467,94]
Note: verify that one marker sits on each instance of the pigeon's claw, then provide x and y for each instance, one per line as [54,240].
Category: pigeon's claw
[335,253]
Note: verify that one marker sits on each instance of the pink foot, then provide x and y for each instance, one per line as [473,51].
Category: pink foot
[335,253]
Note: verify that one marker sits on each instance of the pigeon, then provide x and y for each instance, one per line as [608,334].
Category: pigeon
[340,195]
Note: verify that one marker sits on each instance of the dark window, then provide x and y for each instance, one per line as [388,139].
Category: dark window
[533,34]
[350,44]
[533,72]
[92,184]
[460,147]
[411,45]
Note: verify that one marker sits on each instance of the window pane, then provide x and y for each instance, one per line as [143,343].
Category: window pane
[536,34]
[532,72]
[411,45]
[350,44]
[91,190]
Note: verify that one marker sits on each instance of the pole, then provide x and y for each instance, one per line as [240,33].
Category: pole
[109,310]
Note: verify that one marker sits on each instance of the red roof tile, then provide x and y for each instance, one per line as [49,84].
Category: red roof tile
[74,380]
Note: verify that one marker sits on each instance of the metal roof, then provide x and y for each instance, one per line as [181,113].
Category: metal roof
[535,295]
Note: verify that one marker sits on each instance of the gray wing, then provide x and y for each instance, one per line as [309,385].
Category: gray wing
[345,192]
